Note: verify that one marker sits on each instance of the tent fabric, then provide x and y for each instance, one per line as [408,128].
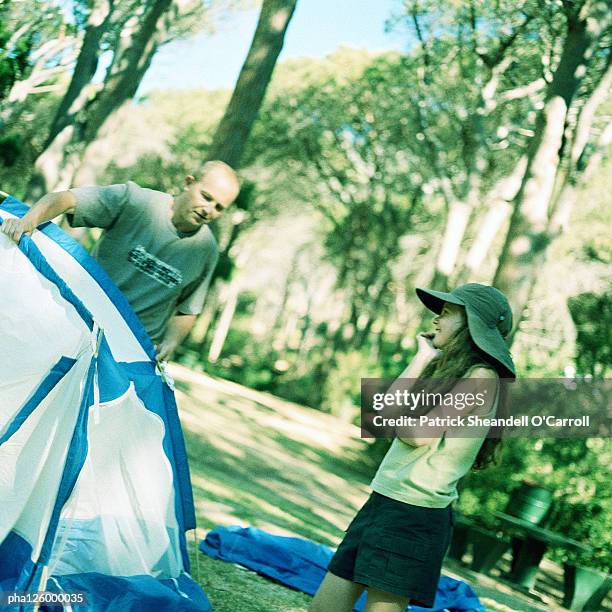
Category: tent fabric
[302,564]
[94,480]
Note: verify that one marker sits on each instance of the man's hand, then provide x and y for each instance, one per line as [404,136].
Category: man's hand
[48,207]
[178,328]
[164,350]
[16,228]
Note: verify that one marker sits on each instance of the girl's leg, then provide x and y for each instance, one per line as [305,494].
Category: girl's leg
[336,595]
[379,601]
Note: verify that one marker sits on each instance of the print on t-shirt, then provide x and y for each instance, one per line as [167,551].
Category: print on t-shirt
[154,267]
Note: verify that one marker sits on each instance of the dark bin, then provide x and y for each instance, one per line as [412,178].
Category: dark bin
[530,503]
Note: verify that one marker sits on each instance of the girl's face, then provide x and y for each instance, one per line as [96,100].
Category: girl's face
[447,323]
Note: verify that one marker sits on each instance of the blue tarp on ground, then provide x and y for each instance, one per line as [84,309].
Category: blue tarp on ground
[302,564]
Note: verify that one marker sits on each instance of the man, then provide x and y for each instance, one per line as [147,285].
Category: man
[157,249]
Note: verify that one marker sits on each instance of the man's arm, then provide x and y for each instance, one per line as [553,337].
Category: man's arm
[180,325]
[189,306]
[47,208]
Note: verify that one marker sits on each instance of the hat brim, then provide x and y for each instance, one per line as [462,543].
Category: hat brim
[490,341]
[434,300]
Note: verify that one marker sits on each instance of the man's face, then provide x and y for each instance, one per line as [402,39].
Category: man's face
[203,201]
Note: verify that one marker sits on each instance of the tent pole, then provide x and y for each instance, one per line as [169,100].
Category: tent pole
[3,193]
[196,552]
[42,585]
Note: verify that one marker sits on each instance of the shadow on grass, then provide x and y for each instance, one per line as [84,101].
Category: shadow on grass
[256,460]
[266,477]
[263,465]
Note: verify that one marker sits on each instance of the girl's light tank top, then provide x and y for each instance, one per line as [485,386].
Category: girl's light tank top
[427,475]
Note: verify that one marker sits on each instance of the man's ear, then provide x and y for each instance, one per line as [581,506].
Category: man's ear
[189,180]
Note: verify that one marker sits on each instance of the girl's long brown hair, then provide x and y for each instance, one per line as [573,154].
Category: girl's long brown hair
[460,356]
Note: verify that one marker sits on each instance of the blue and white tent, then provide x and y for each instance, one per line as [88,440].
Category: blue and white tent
[95,493]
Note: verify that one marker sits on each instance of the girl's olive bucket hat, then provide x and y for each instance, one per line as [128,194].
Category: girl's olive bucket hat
[489,319]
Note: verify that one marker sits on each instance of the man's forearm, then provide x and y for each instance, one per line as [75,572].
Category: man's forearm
[50,206]
[179,327]
[47,208]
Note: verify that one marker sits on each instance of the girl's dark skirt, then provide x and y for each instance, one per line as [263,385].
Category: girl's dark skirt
[395,547]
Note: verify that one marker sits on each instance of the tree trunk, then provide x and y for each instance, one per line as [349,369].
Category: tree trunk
[56,167]
[225,320]
[498,213]
[98,22]
[565,195]
[205,318]
[130,69]
[233,131]
[287,286]
[528,235]
[456,223]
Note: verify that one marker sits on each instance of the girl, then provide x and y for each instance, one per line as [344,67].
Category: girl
[395,545]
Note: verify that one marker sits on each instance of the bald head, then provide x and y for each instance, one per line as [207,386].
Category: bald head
[224,178]
[205,199]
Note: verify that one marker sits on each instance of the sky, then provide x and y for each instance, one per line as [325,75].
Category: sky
[317,29]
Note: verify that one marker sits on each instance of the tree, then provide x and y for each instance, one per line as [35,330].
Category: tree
[529,231]
[97,24]
[29,61]
[15,48]
[235,127]
[233,132]
[583,153]
[477,94]
[37,51]
[131,32]
[133,52]
[348,151]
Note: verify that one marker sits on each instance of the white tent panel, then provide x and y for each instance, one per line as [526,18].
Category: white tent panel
[118,333]
[124,498]
[32,460]
[37,328]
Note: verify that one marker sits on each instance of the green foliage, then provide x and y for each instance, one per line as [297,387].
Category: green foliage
[20,140]
[576,471]
[342,387]
[356,149]
[10,147]
[259,367]
[592,315]
[588,522]
[14,61]
[239,351]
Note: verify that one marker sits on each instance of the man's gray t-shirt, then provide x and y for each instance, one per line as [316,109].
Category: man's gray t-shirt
[159,271]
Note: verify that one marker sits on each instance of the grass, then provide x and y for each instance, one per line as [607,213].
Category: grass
[261,461]
[257,460]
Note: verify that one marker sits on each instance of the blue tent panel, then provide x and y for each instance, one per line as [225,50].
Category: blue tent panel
[133,593]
